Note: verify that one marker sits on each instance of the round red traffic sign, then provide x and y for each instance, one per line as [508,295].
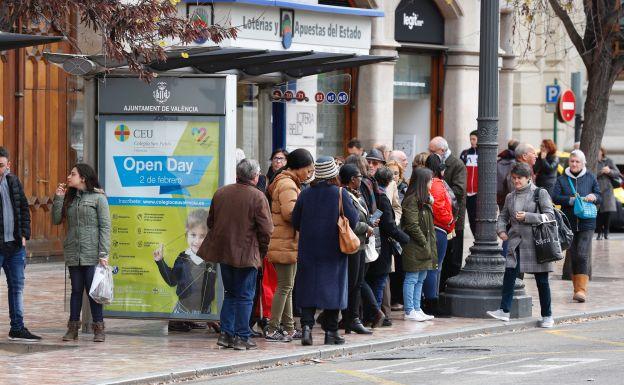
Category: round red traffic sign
[300,96]
[289,95]
[567,106]
[277,95]
[319,97]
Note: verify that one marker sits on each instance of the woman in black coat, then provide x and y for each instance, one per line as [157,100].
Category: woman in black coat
[546,165]
[378,271]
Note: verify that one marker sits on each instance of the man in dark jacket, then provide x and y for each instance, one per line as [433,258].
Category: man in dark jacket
[470,158]
[455,176]
[15,230]
[240,229]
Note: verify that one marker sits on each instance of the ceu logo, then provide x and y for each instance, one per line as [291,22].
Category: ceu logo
[286,28]
[122,133]
[161,93]
[200,135]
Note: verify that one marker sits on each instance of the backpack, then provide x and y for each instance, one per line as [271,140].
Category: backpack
[563,225]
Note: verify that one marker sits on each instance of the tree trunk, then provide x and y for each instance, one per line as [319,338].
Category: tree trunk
[599,88]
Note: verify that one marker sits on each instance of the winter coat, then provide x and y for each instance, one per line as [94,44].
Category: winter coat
[506,161]
[194,294]
[321,266]
[442,206]
[240,227]
[520,234]
[420,253]
[546,172]
[388,231]
[585,183]
[361,228]
[368,188]
[88,227]
[284,191]
[21,211]
[609,203]
[470,158]
[455,176]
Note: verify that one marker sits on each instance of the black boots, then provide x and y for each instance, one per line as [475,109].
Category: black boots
[306,336]
[357,327]
[333,338]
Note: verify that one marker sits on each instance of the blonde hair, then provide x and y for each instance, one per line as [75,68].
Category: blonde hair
[391,163]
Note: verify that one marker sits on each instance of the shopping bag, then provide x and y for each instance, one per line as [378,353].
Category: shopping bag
[547,245]
[102,285]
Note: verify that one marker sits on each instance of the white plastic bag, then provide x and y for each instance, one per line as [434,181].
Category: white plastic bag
[371,250]
[102,285]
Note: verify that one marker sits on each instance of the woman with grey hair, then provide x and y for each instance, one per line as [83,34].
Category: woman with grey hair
[577,181]
[515,222]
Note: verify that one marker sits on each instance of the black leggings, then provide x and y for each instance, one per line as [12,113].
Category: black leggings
[603,222]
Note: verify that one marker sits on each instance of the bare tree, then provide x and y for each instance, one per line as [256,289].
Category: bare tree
[596,37]
[133,32]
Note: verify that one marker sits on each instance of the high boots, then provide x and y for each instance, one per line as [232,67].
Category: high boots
[72,331]
[98,332]
[580,287]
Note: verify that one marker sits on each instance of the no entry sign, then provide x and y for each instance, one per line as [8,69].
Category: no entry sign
[567,106]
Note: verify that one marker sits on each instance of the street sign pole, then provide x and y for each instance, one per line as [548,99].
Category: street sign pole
[555,123]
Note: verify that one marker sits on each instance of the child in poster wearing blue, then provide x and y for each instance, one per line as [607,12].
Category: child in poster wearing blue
[193,278]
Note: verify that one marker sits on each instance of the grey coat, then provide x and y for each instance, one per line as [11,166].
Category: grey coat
[606,189]
[520,233]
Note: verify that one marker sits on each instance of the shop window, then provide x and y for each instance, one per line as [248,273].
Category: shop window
[75,117]
[247,119]
[332,119]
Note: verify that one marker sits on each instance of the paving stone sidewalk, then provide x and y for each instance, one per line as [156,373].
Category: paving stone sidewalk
[144,352]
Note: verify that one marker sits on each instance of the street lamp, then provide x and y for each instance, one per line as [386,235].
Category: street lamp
[477,288]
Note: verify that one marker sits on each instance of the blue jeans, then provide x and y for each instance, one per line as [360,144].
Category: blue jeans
[432,282]
[239,285]
[377,284]
[412,290]
[81,278]
[543,289]
[14,263]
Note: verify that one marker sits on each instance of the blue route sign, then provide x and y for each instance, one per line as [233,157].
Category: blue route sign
[552,93]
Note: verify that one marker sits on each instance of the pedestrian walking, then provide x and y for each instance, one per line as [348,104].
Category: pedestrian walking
[609,177]
[15,231]
[282,253]
[470,157]
[240,228]
[83,206]
[350,179]
[322,268]
[444,224]
[420,253]
[455,176]
[519,214]
[546,165]
[578,182]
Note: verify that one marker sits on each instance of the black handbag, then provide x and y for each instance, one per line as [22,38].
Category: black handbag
[546,239]
[616,182]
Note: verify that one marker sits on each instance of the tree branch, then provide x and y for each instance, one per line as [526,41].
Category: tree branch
[571,29]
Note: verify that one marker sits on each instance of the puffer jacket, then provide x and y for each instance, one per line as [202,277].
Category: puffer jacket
[88,227]
[442,207]
[421,252]
[284,191]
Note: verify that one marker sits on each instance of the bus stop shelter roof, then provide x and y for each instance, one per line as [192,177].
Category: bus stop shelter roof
[19,40]
[252,62]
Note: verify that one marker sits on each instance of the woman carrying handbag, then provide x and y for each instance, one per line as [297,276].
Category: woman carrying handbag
[84,207]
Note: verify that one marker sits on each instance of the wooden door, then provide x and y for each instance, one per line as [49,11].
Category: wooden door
[34,101]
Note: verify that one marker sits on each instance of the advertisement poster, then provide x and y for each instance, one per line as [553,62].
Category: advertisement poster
[160,177]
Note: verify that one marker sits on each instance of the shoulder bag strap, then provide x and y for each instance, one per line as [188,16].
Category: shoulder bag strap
[572,186]
[536,198]
[340,202]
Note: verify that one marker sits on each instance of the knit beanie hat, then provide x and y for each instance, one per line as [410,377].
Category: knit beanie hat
[299,158]
[325,168]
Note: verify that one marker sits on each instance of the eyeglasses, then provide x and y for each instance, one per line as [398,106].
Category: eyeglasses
[279,159]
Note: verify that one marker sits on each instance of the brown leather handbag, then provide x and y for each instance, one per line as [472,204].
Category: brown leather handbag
[349,242]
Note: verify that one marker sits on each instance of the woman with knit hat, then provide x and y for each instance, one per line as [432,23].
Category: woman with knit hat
[284,191]
[322,281]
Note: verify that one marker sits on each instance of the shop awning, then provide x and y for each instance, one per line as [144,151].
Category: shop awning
[18,40]
[253,62]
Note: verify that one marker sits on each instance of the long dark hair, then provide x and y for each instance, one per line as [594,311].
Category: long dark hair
[434,163]
[91,181]
[418,184]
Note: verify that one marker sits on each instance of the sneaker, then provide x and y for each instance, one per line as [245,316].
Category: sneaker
[296,335]
[411,316]
[420,316]
[178,326]
[225,340]
[428,316]
[241,344]
[547,322]
[499,314]
[387,322]
[274,336]
[23,335]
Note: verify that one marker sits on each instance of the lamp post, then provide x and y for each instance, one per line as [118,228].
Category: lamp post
[477,288]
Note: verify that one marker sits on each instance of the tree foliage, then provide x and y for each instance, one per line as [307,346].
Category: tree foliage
[593,28]
[132,31]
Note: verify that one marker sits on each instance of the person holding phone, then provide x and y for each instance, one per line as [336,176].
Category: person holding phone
[83,205]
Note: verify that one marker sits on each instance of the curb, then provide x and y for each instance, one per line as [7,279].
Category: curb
[345,350]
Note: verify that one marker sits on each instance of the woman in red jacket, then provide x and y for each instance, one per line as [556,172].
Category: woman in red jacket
[444,223]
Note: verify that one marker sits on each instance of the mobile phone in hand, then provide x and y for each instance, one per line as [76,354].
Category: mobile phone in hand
[376,216]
